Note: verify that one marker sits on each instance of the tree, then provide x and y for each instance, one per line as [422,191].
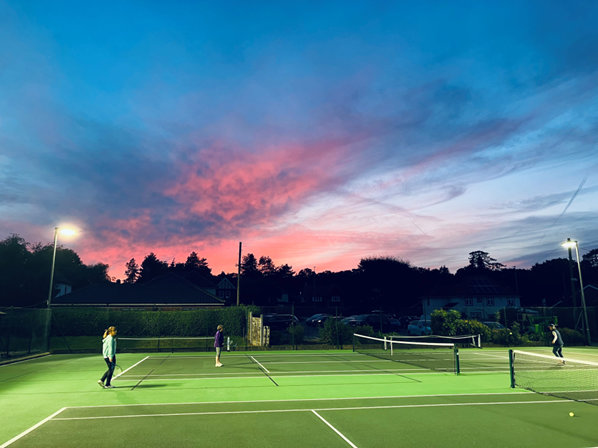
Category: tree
[249,266]
[285,272]
[197,265]
[480,260]
[151,268]
[266,266]
[132,271]
[14,261]
[591,258]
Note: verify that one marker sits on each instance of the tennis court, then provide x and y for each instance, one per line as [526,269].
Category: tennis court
[334,398]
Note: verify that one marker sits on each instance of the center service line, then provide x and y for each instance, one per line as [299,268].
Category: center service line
[335,430]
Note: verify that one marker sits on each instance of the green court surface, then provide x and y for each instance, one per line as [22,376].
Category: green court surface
[289,399]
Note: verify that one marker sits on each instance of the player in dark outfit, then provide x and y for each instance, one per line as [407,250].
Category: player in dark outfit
[218,342]
[557,342]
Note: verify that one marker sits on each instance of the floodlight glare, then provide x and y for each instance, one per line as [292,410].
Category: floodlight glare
[570,244]
[65,231]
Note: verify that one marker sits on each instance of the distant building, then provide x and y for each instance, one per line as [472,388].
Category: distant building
[167,291]
[475,298]
[226,290]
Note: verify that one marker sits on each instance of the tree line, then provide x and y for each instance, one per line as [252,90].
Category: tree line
[384,283]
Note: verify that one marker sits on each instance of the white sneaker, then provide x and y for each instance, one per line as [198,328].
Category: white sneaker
[101,383]
[219,365]
[109,387]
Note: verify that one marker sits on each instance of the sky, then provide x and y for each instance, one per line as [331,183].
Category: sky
[317,133]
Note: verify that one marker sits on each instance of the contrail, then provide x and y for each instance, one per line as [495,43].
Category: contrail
[583,181]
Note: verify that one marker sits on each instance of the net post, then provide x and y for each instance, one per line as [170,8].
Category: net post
[457,362]
[511,368]
[353,342]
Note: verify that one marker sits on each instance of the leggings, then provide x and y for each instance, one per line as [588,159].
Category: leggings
[107,377]
[558,351]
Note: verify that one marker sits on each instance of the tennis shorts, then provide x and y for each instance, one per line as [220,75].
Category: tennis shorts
[218,350]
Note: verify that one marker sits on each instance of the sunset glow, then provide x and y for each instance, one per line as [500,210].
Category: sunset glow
[315,133]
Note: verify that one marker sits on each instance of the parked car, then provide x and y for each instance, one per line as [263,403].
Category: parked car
[317,320]
[378,321]
[419,327]
[279,321]
[357,320]
[494,325]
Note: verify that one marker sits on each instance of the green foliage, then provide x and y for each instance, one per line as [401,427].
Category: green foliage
[572,337]
[508,337]
[473,327]
[444,323]
[365,330]
[289,336]
[143,323]
[336,333]
[297,333]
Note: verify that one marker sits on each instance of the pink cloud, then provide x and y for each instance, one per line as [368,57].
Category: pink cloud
[237,185]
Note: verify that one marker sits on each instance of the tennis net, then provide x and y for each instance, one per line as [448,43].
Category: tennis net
[166,344]
[567,378]
[435,356]
[467,340]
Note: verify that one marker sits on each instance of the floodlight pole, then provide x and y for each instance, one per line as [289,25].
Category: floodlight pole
[575,244]
[239,275]
[49,301]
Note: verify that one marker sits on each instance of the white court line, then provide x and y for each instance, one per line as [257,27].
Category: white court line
[277,411]
[334,429]
[285,373]
[19,361]
[282,375]
[260,364]
[37,425]
[286,400]
[136,364]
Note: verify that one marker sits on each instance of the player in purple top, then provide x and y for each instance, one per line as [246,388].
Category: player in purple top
[218,342]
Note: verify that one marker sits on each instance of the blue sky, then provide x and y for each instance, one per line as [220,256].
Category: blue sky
[318,133]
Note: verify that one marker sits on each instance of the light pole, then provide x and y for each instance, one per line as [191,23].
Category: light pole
[63,231]
[569,245]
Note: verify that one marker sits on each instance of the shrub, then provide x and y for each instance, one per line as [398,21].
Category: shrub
[336,333]
[572,337]
[474,327]
[508,337]
[444,323]
[143,323]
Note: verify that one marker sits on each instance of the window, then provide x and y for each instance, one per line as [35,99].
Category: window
[317,299]
[335,299]
[510,302]
[490,301]
[469,302]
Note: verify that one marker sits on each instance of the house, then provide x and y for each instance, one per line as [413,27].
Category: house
[166,291]
[475,298]
[226,290]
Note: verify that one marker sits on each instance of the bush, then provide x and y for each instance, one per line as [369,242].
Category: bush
[444,323]
[474,327]
[572,337]
[508,337]
[143,323]
[288,336]
[336,333]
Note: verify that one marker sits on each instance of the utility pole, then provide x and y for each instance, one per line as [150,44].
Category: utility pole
[239,274]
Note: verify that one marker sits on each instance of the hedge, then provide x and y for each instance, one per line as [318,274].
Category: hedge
[144,323]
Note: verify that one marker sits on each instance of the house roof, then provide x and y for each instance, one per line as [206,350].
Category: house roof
[168,289]
[475,286]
